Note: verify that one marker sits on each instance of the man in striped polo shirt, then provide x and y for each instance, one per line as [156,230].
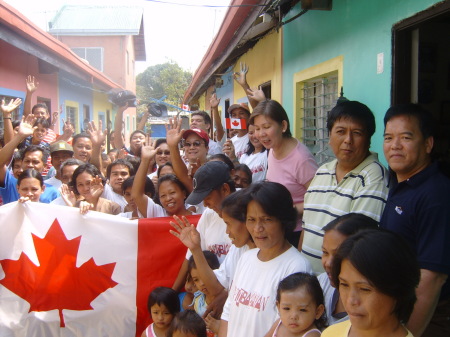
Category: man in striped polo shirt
[353,182]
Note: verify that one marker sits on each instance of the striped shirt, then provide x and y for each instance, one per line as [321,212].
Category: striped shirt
[362,190]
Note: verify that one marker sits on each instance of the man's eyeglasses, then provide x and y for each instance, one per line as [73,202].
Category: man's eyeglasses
[160,153]
[197,143]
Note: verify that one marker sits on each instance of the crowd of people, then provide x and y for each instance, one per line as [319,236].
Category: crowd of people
[282,247]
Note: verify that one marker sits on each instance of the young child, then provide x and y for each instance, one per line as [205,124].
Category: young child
[187,297]
[301,307]
[41,126]
[202,297]
[163,305]
[187,324]
[30,185]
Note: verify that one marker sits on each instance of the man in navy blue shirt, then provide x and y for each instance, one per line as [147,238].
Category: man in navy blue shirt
[418,208]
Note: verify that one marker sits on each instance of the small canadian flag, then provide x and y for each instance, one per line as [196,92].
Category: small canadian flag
[185,107]
[235,123]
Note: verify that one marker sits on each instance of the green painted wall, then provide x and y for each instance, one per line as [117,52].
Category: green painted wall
[358,30]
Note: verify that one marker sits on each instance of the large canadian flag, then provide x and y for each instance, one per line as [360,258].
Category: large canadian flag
[67,274]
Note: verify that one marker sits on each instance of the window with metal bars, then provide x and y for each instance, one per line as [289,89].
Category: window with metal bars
[319,97]
[94,56]
[71,116]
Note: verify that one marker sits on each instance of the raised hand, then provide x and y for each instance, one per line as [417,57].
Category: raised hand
[193,167]
[85,206]
[241,75]
[68,129]
[97,135]
[96,187]
[214,101]
[174,132]
[32,84]
[26,126]
[186,232]
[149,151]
[68,196]
[7,109]
[257,94]
[228,149]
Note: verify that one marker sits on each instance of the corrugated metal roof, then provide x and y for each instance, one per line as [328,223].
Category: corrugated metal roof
[97,20]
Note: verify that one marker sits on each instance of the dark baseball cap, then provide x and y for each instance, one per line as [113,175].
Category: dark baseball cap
[207,178]
[60,146]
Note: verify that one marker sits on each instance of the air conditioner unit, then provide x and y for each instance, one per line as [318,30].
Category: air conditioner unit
[264,23]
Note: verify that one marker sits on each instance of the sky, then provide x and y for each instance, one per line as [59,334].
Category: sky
[173,31]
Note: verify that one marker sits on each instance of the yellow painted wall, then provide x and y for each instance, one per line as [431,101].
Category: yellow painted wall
[265,64]
[101,104]
[202,102]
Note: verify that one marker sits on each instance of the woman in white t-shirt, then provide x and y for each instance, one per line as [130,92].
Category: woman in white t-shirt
[255,157]
[250,308]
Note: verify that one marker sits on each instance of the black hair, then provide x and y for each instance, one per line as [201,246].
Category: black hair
[137,131]
[211,258]
[42,121]
[276,200]
[30,173]
[222,157]
[174,179]
[423,116]
[122,162]
[78,136]
[313,288]
[235,205]
[134,161]
[203,114]
[158,173]
[39,105]
[113,151]
[160,141]
[16,123]
[376,254]
[274,111]
[188,322]
[351,223]
[16,156]
[70,162]
[149,188]
[166,296]
[88,168]
[355,111]
[246,170]
[34,148]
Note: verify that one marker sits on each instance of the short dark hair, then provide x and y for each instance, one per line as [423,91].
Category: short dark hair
[222,157]
[160,141]
[158,173]
[377,253]
[134,161]
[39,105]
[423,116]
[188,321]
[276,200]
[166,296]
[88,168]
[211,258]
[149,188]
[355,111]
[246,170]
[313,288]
[274,111]
[204,114]
[16,156]
[42,121]
[30,173]
[70,162]
[235,205]
[174,179]
[78,136]
[122,162]
[351,223]
[137,131]
[34,148]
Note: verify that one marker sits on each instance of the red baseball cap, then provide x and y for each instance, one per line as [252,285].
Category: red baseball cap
[202,134]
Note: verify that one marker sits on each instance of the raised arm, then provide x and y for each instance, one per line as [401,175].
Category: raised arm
[32,86]
[138,189]
[25,129]
[173,136]
[241,78]
[7,114]
[143,121]
[190,237]
[214,102]
[118,141]
[97,137]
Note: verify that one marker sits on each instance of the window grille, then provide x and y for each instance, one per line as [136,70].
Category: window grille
[71,115]
[319,97]
[94,56]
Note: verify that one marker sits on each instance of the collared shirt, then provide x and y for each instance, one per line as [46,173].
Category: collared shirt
[362,190]
[419,210]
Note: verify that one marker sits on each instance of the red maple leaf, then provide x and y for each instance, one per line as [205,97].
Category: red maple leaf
[57,283]
[235,123]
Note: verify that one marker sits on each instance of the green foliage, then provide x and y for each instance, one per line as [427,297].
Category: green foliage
[163,79]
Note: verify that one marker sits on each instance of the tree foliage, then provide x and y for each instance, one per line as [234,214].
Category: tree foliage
[167,79]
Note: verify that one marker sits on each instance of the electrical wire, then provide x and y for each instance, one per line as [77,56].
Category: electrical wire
[205,6]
